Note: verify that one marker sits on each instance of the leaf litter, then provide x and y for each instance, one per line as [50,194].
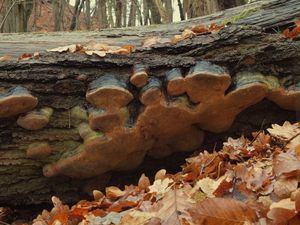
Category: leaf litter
[247,182]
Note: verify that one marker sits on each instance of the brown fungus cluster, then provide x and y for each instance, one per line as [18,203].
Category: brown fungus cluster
[120,123]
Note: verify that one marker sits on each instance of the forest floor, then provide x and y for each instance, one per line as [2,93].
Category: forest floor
[252,181]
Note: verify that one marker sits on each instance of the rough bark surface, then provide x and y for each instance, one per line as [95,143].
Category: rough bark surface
[60,81]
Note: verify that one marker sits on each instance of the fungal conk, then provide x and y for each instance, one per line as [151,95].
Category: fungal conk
[170,115]
[16,101]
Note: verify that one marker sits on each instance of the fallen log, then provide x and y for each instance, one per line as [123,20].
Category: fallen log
[69,120]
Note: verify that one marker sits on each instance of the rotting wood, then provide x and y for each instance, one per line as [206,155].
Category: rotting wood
[155,126]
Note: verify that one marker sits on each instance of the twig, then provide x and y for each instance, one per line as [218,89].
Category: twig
[260,130]
[292,138]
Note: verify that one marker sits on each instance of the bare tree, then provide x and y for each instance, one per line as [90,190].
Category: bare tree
[155,16]
[88,14]
[181,13]
[132,14]
[118,13]
[124,12]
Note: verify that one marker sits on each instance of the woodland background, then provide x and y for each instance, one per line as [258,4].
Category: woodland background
[68,15]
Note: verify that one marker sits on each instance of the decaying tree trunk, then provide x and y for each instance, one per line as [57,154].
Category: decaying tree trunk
[68,120]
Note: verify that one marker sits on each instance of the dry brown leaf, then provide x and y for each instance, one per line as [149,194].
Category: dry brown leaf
[287,133]
[285,162]
[5,58]
[284,186]
[135,217]
[113,192]
[144,182]
[172,209]
[210,186]
[160,187]
[222,211]
[96,52]
[25,56]
[150,41]
[160,174]
[69,48]
[281,212]
[199,29]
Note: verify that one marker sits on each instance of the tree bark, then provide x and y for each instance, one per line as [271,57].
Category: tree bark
[61,81]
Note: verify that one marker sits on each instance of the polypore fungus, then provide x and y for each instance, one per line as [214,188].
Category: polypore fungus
[218,115]
[152,92]
[15,101]
[107,92]
[164,124]
[35,120]
[139,75]
[106,121]
[175,82]
[206,82]
[38,150]
[286,98]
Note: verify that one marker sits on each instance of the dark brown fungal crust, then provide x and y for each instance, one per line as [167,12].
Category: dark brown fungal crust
[107,92]
[139,77]
[38,150]
[35,120]
[206,82]
[165,123]
[175,82]
[16,101]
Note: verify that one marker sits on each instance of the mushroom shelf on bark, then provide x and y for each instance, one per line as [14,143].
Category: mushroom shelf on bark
[109,113]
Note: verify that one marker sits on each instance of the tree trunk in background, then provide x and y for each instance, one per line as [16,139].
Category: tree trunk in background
[146,12]
[196,8]
[162,11]
[88,14]
[110,7]
[181,13]
[124,13]
[56,15]
[169,9]
[75,14]
[132,14]
[119,6]
[155,16]
[102,14]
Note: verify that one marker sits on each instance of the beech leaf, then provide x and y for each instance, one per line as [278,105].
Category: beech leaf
[222,211]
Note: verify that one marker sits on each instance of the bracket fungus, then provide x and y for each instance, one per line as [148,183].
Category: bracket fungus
[38,150]
[16,101]
[139,75]
[286,98]
[175,82]
[206,82]
[106,121]
[169,117]
[35,120]
[218,115]
[152,92]
[107,92]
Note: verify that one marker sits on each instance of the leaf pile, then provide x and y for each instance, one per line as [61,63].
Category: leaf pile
[295,32]
[246,182]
